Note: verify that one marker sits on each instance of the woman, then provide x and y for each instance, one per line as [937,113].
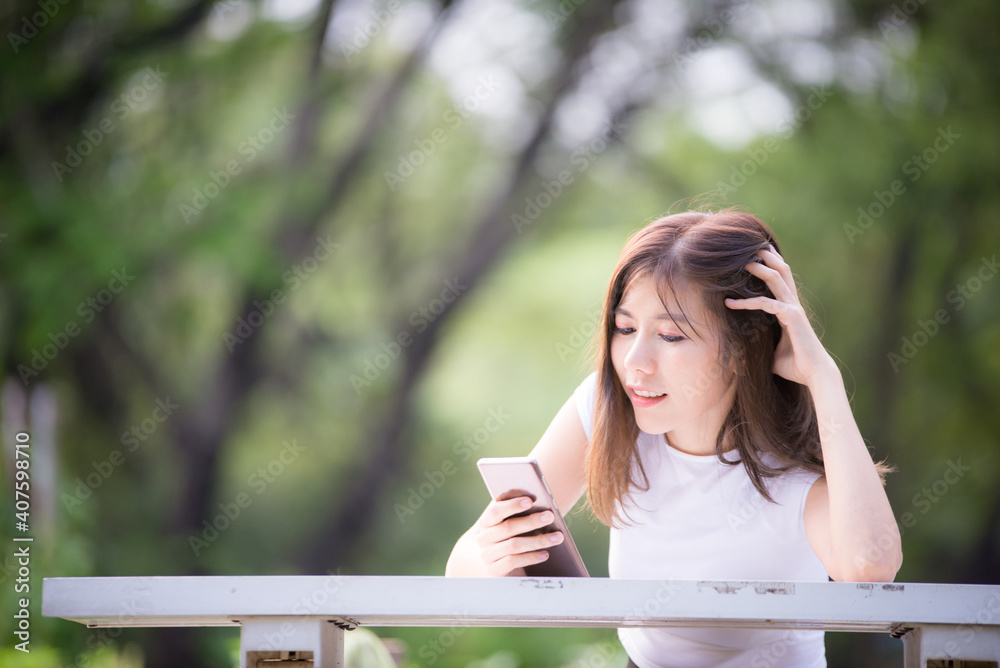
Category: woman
[715,438]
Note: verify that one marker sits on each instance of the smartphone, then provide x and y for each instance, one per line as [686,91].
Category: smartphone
[509,477]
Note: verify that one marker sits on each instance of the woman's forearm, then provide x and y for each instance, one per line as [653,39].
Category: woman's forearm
[465,562]
[863,530]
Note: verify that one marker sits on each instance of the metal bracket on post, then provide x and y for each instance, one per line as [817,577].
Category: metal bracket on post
[950,646]
[290,642]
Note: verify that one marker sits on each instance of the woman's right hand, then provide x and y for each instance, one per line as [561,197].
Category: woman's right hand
[500,548]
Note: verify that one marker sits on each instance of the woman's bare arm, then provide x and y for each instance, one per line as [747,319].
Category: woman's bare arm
[491,546]
[849,521]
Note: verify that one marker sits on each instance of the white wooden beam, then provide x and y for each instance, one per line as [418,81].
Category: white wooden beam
[936,621]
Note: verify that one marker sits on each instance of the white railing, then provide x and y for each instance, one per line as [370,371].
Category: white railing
[307,615]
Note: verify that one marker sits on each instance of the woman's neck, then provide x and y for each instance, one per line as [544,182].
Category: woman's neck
[700,447]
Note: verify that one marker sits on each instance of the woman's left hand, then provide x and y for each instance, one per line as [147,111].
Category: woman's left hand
[799,356]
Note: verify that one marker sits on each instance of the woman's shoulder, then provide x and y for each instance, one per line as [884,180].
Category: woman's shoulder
[588,383]
[791,480]
[584,396]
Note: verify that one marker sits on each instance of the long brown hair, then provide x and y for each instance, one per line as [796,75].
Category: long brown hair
[770,414]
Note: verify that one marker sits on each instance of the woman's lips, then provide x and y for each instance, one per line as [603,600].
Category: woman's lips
[644,402]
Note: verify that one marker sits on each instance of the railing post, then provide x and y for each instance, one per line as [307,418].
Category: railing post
[941,645]
[312,642]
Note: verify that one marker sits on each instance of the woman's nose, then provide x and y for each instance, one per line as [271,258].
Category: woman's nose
[638,358]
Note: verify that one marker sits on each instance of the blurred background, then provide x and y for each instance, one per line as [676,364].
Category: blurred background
[273,275]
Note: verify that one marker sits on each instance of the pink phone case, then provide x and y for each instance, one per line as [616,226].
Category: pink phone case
[508,477]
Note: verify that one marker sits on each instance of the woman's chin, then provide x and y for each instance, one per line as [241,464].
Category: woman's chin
[655,427]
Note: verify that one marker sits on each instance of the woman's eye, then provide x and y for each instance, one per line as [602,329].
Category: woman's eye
[666,337]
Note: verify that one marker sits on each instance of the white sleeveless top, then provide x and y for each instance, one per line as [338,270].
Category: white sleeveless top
[702,519]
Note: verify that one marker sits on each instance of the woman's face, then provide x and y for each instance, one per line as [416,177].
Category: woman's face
[651,353]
